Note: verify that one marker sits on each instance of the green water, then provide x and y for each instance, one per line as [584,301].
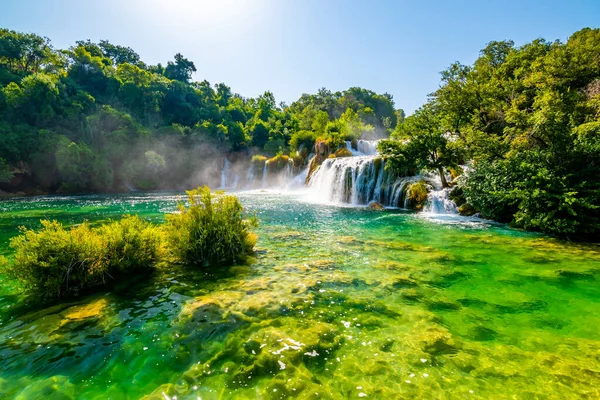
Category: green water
[338,303]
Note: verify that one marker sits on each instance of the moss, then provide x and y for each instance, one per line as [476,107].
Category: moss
[258,160]
[343,152]
[298,161]
[377,163]
[93,309]
[374,205]
[277,163]
[331,156]
[417,195]
[455,172]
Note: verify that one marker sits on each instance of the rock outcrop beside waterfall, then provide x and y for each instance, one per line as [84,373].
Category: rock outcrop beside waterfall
[321,154]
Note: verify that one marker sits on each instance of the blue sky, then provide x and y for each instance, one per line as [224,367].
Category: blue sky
[297,46]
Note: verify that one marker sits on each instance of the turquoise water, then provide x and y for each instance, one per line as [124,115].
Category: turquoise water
[337,303]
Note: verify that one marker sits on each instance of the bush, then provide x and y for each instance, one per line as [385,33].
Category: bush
[303,140]
[57,262]
[278,163]
[417,195]
[211,231]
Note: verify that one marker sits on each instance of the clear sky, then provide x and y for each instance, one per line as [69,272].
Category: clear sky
[297,46]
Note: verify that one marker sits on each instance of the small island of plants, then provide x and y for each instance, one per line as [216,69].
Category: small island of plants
[58,261]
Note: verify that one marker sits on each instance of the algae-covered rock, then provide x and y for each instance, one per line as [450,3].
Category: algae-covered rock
[374,205]
[290,235]
[54,388]
[93,309]
[343,152]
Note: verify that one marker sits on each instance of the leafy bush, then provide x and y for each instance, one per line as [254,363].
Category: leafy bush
[278,163]
[58,262]
[211,231]
[303,140]
[417,195]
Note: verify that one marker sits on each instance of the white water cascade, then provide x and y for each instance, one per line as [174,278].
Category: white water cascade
[438,202]
[357,180]
[229,178]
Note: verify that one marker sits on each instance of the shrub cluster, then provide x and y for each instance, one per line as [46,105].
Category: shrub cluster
[59,262]
[211,231]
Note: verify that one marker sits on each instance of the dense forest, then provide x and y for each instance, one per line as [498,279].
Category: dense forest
[516,134]
[526,122]
[96,118]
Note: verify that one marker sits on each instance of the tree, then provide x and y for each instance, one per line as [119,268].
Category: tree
[423,144]
[119,54]
[180,70]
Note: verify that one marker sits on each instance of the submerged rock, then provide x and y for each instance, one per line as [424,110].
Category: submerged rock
[374,205]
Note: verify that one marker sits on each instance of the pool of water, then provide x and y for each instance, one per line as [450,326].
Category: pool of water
[337,303]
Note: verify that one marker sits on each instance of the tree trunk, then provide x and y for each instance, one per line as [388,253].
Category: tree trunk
[443,177]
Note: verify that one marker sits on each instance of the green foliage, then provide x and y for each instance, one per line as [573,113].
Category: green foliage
[210,231]
[81,169]
[278,163]
[114,109]
[417,195]
[180,70]
[303,140]
[528,117]
[145,172]
[5,171]
[59,262]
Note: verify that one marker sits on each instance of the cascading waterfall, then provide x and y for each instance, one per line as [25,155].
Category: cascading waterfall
[438,202]
[229,176]
[265,183]
[224,173]
[357,180]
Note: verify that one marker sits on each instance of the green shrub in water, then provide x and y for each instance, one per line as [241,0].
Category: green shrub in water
[58,262]
[210,231]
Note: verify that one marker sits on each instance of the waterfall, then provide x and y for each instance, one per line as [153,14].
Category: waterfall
[250,176]
[229,176]
[264,175]
[224,172]
[368,147]
[438,202]
[355,180]
[298,181]
[363,147]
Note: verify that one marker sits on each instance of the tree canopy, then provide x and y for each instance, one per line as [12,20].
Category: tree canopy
[528,118]
[95,117]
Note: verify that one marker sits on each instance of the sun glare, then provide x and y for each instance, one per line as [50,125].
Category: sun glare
[201,14]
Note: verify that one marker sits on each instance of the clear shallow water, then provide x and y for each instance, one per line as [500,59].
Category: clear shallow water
[339,303]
